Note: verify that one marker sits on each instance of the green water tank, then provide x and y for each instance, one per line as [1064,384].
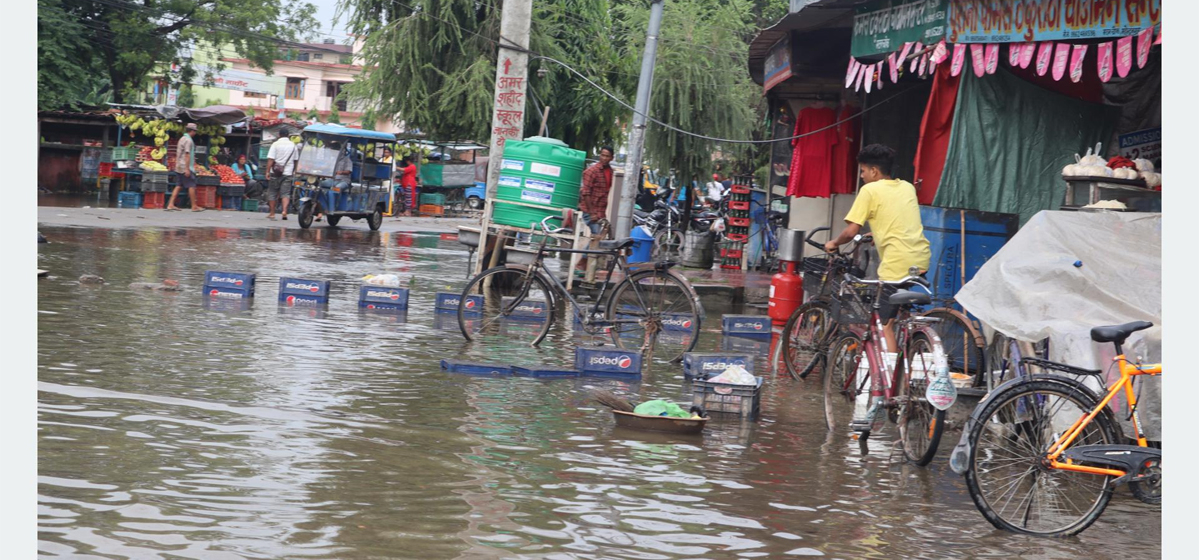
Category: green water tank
[541,171]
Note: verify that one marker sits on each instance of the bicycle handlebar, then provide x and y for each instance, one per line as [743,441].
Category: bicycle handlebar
[551,230]
[911,278]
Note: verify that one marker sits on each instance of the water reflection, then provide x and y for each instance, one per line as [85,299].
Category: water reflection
[174,425]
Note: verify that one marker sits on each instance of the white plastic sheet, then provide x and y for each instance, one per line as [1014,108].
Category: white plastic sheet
[1032,289]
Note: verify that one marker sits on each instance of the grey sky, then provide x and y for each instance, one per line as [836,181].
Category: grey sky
[325,12]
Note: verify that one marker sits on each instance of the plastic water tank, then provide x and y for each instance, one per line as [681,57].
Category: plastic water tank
[541,171]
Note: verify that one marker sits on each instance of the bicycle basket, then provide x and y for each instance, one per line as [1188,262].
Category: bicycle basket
[851,309]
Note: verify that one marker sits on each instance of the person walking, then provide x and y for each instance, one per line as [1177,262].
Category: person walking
[408,185]
[185,167]
[593,196]
[281,165]
[890,206]
[716,191]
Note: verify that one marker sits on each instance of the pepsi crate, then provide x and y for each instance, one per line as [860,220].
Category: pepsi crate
[299,290]
[544,372]
[527,310]
[678,322]
[447,302]
[755,346]
[129,199]
[228,284]
[701,365]
[230,189]
[231,202]
[746,325]
[382,297]
[608,359]
[727,398]
[472,368]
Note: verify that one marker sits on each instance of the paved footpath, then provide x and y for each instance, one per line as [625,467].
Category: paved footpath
[141,218]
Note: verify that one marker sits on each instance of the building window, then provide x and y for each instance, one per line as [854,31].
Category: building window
[317,56]
[294,89]
[332,91]
[254,95]
[303,57]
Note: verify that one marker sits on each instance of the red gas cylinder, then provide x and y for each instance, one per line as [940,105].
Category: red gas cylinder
[787,292]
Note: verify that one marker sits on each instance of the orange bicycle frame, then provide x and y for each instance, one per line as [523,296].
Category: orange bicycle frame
[1128,371]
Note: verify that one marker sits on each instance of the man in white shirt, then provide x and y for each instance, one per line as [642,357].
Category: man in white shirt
[281,165]
[715,191]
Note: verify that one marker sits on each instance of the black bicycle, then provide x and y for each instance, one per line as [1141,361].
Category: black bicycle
[651,309]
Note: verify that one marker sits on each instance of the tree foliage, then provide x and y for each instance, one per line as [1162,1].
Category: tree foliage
[122,41]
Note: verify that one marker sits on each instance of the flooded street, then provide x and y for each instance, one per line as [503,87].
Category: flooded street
[169,428]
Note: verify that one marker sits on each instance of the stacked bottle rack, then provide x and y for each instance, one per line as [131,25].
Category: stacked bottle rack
[737,226]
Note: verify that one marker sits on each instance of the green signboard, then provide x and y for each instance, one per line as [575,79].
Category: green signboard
[885,25]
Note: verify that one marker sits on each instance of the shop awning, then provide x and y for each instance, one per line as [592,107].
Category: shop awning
[815,15]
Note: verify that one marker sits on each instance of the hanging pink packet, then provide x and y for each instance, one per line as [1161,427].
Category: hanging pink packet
[940,52]
[991,58]
[1077,54]
[1124,56]
[1062,53]
[1027,51]
[892,68]
[1014,54]
[1045,50]
[852,72]
[956,63]
[1143,47]
[1104,61]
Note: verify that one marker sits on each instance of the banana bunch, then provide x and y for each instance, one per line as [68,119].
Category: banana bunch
[153,166]
[159,153]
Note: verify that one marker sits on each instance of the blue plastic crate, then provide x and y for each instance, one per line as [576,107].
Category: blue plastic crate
[473,368]
[544,372]
[742,400]
[679,322]
[382,297]
[746,325]
[302,291]
[126,199]
[705,365]
[745,345]
[228,284]
[608,360]
[447,302]
[528,310]
[231,203]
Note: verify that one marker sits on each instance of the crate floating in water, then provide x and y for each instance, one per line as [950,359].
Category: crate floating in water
[298,291]
[527,310]
[608,360]
[705,365]
[543,372]
[746,325]
[382,298]
[727,398]
[447,302]
[233,285]
[472,368]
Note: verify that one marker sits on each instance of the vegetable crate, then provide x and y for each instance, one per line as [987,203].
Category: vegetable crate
[436,199]
[249,205]
[230,202]
[154,200]
[128,199]
[726,398]
[231,189]
[207,180]
[124,153]
[431,210]
[206,197]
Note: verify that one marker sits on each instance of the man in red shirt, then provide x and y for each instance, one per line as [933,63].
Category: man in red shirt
[593,196]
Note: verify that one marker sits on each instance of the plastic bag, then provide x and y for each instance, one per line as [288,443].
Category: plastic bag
[661,408]
[735,375]
[388,280]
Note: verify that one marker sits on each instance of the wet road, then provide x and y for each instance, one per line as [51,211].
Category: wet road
[171,429]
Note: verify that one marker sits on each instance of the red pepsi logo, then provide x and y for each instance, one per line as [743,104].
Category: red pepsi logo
[291,300]
[370,306]
[758,326]
[314,289]
[624,362]
[214,292]
[470,303]
[237,283]
[395,297]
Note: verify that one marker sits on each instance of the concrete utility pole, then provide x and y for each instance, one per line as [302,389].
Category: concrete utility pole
[512,68]
[637,135]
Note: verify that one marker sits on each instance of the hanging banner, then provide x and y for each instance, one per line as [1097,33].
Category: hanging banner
[1124,56]
[924,63]
[1143,46]
[852,71]
[916,49]
[977,60]
[1104,62]
[1062,54]
[893,70]
[991,58]
[939,53]
[956,64]
[882,26]
[1014,55]
[1015,21]
[1027,51]
[1045,50]
[879,70]
[1078,52]
[869,81]
[778,66]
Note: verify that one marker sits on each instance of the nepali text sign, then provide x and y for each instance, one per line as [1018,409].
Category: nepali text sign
[239,80]
[779,64]
[884,26]
[1016,21]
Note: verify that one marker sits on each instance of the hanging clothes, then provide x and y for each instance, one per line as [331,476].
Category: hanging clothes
[845,152]
[935,134]
[812,155]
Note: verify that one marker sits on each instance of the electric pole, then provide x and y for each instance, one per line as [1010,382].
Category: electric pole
[637,135]
[512,69]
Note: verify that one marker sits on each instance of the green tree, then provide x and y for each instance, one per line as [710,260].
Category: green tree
[65,59]
[439,77]
[335,116]
[368,118]
[700,80]
[187,97]
[131,39]
[313,114]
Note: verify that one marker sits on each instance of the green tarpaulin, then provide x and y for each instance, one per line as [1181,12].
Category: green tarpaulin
[1010,141]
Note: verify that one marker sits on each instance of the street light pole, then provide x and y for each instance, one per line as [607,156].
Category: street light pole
[637,135]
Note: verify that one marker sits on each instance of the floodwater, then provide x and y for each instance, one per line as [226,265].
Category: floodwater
[172,429]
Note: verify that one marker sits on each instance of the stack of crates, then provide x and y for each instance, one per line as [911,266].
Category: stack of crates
[737,227]
[155,181]
[431,204]
[230,195]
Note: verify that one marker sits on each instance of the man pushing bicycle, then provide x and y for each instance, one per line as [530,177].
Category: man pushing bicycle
[890,206]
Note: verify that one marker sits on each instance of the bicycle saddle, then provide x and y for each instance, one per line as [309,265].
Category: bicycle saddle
[616,244]
[905,297]
[1118,333]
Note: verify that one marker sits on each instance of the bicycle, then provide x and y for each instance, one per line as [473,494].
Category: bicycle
[1053,439]
[917,392]
[768,260]
[652,305]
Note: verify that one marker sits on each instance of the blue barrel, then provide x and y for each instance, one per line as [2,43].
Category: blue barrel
[643,244]
[985,234]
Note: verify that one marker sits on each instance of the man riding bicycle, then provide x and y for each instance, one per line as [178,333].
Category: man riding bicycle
[890,206]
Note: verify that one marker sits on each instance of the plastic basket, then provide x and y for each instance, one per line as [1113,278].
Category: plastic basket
[230,202]
[149,187]
[725,398]
[436,199]
[207,180]
[739,237]
[739,222]
[206,197]
[739,205]
[249,205]
[226,189]
[154,200]
[129,199]
[431,209]
[124,153]
[739,189]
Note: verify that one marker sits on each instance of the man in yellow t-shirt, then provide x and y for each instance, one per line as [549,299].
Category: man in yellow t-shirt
[890,206]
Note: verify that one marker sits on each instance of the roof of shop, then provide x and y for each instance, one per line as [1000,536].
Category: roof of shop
[350,132]
[818,14]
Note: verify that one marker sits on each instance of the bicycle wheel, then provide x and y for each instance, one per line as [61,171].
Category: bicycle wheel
[515,308]
[667,245]
[1008,476]
[805,338]
[653,311]
[921,424]
[964,353]
[842,385]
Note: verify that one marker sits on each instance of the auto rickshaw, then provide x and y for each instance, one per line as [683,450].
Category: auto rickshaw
[343,173]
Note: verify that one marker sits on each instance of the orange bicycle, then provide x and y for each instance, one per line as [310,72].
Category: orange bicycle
[1043,453]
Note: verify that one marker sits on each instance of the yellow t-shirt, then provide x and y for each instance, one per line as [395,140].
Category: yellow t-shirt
[891,208]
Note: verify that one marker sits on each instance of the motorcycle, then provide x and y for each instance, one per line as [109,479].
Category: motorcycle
[663,223]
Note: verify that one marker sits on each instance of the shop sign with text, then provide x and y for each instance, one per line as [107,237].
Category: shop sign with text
[1019,21]
[886,25]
